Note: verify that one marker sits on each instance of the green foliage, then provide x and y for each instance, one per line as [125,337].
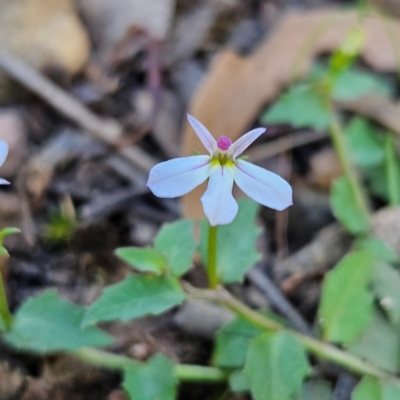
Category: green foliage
[392,171]
[276,366]
[48,323]
[386,286]
[3,234]
[174,247]
[379,343]
[134,297]
[345,207]
[231,343]
[316,389]
[301,106]
[372,389]
[238,382]
[346,304]
[154,380]
[175,241]
[354,83]
[366,150]
[59,229]
[145,260]
[235,243]
[378,249]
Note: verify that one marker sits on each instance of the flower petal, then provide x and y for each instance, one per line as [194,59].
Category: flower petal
[263,186]
[219,204]
[202,132]
[4,182]
[3,151]
[245,141]
[179,176]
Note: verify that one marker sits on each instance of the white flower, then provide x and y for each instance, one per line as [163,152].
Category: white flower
[3,156]
[179,176]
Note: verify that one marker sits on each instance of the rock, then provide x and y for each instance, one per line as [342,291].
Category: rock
[46,34]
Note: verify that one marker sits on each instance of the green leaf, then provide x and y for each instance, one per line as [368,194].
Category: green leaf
[386,286]
[345,207]
[236,243]
[378,249]
[352,84]
[3,326]
[379,344]
[238,382]
[301,106]
[48,323]
[316,389]
[146,260]
[372,389]
[134,297]
[3,234]
[366,150]
[154,380]
[276,366]
[232,342]
[346,304]
[176,242]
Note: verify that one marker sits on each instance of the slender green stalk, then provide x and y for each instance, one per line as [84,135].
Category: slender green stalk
[343,153]
[184,372]
[212,257]
[392,172]
[5,314]
[319,348]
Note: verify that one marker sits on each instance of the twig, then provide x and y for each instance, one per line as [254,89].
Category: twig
[108,130]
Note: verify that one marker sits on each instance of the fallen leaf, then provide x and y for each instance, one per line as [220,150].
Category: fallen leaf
[236,88]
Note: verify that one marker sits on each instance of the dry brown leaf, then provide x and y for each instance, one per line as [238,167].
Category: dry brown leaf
[236,87]
[43,33]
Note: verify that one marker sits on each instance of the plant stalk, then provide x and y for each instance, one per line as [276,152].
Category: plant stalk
[339,143]
[317,347]
[5,313]
[213,280]
[184,372]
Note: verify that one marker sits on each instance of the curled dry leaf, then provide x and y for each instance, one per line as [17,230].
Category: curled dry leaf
[236,88]
[46,34]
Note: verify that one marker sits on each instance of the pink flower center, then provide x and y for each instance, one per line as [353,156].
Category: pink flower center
[224,143]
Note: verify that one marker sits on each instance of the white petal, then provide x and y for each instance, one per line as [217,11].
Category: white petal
[263,186]
[245,141]
[202,132]
[179,176]
[4,182]
[219,204]
[3,151]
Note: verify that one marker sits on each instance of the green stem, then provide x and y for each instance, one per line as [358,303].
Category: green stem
[319,348]
[212,257]
[184,372]
[392,172]
[5,314]
[339,142]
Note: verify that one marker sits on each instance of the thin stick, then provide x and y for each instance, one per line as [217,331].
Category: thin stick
[212,257]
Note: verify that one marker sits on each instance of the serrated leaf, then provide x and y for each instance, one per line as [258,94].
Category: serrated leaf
[145,260]
[345,207]
[352,84]
[154,380]
[301,106]
[238,382]
[372,389]
[386,286]
[236,243]
[378,249]
[346,304]
[379,344]
[48,323]
[276,366]
[366,150]
[232,341]
[134,297]
[176,242]
[316,389]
